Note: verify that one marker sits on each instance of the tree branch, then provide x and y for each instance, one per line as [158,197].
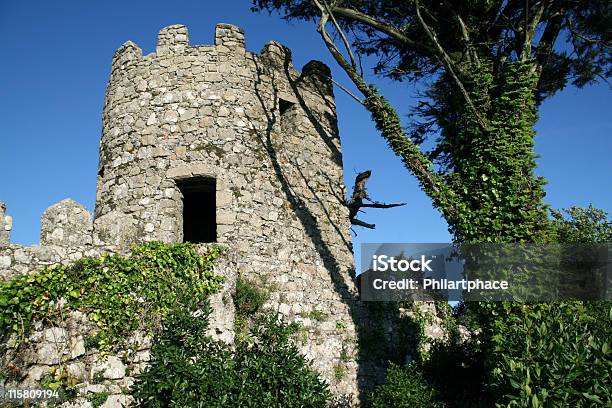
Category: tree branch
[530,30]
[383,27]
[575,33]
[377,204]
[471,53]
[360,223]
[445,60]
[345,41]
[547,41]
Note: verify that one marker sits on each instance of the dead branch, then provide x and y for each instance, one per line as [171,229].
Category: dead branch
[356,203]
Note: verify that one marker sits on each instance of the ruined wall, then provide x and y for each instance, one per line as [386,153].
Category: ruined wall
[6,225]
[66,236]
[67,347]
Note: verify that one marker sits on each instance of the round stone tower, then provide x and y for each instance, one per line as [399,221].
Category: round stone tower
[216,144]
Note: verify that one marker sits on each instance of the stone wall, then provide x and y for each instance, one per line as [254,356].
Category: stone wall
[63,348]
[66,236]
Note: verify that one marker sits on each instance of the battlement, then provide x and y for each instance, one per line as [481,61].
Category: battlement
[126,55]
[172,40]
[6,225]
[64,224]
[229,40]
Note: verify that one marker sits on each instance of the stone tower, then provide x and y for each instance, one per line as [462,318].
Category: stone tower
[216,144]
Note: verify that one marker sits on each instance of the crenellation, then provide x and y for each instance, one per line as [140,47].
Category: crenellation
[229,39]
[6,225]
[173,39]
[277,55]
[126,55]
[318,76]
[66,224]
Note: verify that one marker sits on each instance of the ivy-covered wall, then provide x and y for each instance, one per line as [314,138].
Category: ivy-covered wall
[86,328]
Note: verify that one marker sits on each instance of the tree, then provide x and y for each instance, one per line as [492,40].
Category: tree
[582,225]
[485,67]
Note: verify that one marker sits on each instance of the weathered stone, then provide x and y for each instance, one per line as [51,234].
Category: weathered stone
[152,120]
[6,224]
[112,368]
[66,223]
[34,375]
[117,401]
[78,403]
[77,347]
[50,353]
[77,370]
[56,335]
[5,261]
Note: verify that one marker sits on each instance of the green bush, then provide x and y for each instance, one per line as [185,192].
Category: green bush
[581,225]
[248,298]
[189,369]
[98,399]
[554,354]
[549,354]
[120,294]
[404,387]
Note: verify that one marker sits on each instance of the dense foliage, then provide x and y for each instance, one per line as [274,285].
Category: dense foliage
[189,369]
[469,31]
[264,369]
[120,294]
[554,354]
[581,225]
[405,387]
[249,298]
[549,354]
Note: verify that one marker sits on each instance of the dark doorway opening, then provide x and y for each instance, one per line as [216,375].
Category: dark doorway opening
[199,210]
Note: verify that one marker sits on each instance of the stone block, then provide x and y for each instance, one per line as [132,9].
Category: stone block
[6,225]
[173,39]
[112,368]
[66,223]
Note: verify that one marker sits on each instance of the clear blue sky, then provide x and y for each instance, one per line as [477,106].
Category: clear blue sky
[56,59]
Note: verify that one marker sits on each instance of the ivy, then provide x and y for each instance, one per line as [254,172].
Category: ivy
[485,185]
[120,294]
